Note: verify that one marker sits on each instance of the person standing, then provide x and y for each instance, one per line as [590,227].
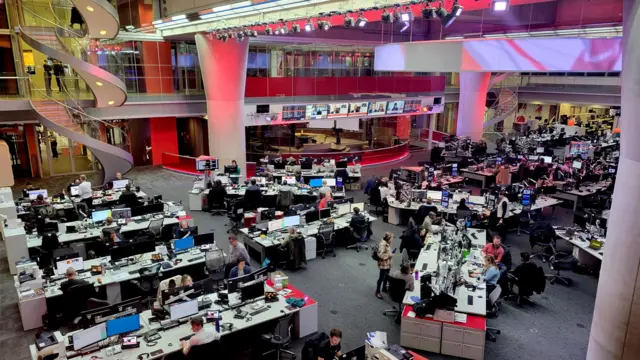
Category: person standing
[385,262]
[47,76]
[58,71]
[502,213]
[54,146]
[236,251]
[85,192]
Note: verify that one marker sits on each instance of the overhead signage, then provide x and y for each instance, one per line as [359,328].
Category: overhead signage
[359,108]
[377,108]
[293,112]
[395,107]
[315,112]
[338,110]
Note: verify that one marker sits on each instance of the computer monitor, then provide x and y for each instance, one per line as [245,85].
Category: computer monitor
[357,205]
[458,196]
[121,251]
[75,191]
[341,164]
[119,184]
[124,324]
[230,169]
[311,216]
[203,239]
[434,195]
[33,194]
[612,170]
[330,181]
[262,272]
[291,221]
[540,150]
[577,165]
[183,309]
[185,243]
[122,213]
[232,284]
[325,213]
[306,165]
[315,183]
[90,336]
[260,180]
[478,200]
[204,287]
[76,263]
[279,165]
[289,180]
[100,215]
[343,209]
[252,290]
[547,159]
[275,225]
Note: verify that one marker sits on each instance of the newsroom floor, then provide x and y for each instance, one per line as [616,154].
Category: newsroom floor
[556,327]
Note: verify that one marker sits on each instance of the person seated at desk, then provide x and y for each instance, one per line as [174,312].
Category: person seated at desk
[463,204]
[241,269]
[429,206]
[236,251]
[75,182]
[412,241]
[357,219]
[526,271]
[496,250]
[323,190]
[186,280]
[183,230]
[428,222]
[323,202]
[252,196]
[384,189]
[108,222]
[110,236]
[216,195]
[38,201]
[540,170]
[405,274]
[330,348]
[201,335]
[490,273]
[71,276]
[128,197]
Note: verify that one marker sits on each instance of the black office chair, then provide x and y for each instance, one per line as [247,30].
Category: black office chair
[215,264]
[148,281]
[360,231]
[280,338]
[561,261]
[527,285]
[252,199]
[215,201]
[375,200]
[76,299]
[235,215]
[204,351]
[155,227]
[325,237]
[397,290]
[492,311]
[543,238]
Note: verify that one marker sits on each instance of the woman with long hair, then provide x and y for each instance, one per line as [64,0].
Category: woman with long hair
[385,262]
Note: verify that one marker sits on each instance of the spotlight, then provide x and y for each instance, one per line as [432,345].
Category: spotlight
[284,30]
[224,37]
[268,30]
[456,9]
[295,28]
[348,21]
[446,19]
[500,5]
[428,13]
[240,36]
[362,21]
[309,26]
[250,33]
[404,17]
[386,17]
[324,25]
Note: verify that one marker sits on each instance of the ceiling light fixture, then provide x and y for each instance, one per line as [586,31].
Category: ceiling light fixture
[361,21]
[295,28]
[386,17]
[103,32]
[111,102]
[268,30]
[500,5]
[348,21]
[98,83]
[90,8]
[428,13]
[456,9]
[324,25]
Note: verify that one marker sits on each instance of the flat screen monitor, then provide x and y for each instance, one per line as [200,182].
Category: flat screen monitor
[121,251]
[330,181]
[306,165]
[612,170]
[359,108]
[33,194]
[293,112]
[540,150]
[125,324]
[119,184]
[76,263]
[377,108]
[341,164]
[357,205]
[291,221]
[288,180]
[318,111]
[315,183]
[183,309]
[100,215]
[342,209]
[311,216]
[183,244]
[547,159]
[232,284]
[203,239]
[338,110]
[260,273]
[260,180]
[207,164]
[458,196]
[434,195]
[122,213]
[90,336]
[252,290]
[478,200]
[279,165]
[147,209]
[395,107]
[75,191]
[577,165]
[412,106]
[325,213]
[275,225]
[262,109]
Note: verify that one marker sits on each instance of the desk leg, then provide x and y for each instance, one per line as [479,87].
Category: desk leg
[114,293]
[305,322]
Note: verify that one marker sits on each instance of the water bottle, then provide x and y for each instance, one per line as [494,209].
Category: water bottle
[217,325]
[416,274]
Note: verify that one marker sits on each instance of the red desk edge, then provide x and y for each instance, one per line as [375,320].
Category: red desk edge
[473,321]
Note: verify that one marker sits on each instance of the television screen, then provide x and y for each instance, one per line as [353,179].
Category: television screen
[338,110]
[395,107]
[360,108]
[377,108]
[412,106]
[293,112]
[318,111]
[262,109]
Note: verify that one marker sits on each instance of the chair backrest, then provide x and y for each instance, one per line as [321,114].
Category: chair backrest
[204,351]
[360,229]
[214,260]
[462,213]
[495,295]
[155,226]
[397,289]
[325,230]
[50,242]
[76,297]
[283,328]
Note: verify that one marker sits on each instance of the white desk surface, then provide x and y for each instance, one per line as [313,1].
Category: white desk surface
[577,241]
[172,336]
[516,208]
[315,173]
[34,241]
[587,190]
[122,274]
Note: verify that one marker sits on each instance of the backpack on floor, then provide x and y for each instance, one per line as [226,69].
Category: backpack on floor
[374,253]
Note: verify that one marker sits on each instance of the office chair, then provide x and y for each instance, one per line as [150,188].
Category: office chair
[544,239]
[325,235]
[375,200]
[149,281]
[284,199]
[204,351]
[216,202]
[235,215]
[280,338]
[214,265]
[155,227]
[76,299]
[524,219]
[361,233]
[493,300]
[561,261]
[397,290]
[527,285]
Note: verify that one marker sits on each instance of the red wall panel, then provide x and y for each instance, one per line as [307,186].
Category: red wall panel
[347,85]
[280,87]
[402,84]
[164,137]
[367,84]
[256,87]
[156,62]
[303,86]
[577,12]
[327,86]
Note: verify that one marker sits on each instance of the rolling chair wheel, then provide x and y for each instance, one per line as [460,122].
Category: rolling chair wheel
[323,256]
[334,254]
[494,339]
[498,332]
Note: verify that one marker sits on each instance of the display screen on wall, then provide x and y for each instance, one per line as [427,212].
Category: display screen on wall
[293,112]
[338,110]
[359,108]
[315,112]
[412,106]
[377,108]
[395,107]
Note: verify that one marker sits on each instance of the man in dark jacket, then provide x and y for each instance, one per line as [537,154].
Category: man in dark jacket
[526,275]
[71,275]
[252,196]
[128,197]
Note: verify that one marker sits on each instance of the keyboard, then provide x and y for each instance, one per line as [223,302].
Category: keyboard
[259,311]
[170,325]
[195,259]
[133,272]
[81,271]
[186,338]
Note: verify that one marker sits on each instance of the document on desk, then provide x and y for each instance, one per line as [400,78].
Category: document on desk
[120,277]
[459,317]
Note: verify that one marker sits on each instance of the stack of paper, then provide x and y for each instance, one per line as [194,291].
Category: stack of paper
[377,339]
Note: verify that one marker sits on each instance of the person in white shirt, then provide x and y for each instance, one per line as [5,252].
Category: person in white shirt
[200,337]
[324,190]
[84,190]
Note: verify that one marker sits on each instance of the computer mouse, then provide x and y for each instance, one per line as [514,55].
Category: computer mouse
[269,306]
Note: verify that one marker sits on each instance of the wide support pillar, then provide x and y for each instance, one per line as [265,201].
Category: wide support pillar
[224,72]
[473,98]
[615,328]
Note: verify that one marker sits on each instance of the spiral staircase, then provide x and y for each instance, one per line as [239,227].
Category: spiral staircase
[62,113]
[505,90]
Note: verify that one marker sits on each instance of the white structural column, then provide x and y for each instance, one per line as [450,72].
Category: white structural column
[432,125]
[224,72]
[615,330]
[473,98]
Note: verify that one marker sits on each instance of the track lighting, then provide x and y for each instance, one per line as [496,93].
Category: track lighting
[386,17]
[361,21]
[428,13]
[295,28]
[324,25]
[268,30]
[348,21]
